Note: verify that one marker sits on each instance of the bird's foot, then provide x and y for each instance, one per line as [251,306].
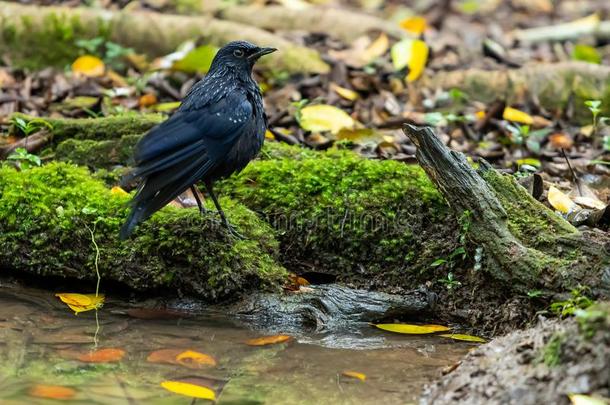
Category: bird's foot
[233,231]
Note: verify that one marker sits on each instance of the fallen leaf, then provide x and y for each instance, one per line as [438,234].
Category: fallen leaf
[102,356]
[322,117]
[347,94]
[52,391]
[167,356]
[198,60]
[146,100]
[415,24]
[89,65]
[465,338]
[165,107]
[189,390]
[268,340]
[560,201]
[580,399]
[269,135]
[514,115]
[117,79]
[354,374]
[81,302]
[116,190]
[376,49]
[411,53]
[411,329]
[192,358]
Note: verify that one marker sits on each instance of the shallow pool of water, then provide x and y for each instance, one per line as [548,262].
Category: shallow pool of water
[40,339]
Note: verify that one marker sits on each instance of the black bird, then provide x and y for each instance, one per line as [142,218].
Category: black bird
[219,127]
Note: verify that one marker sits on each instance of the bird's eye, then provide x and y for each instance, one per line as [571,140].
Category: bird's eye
[238,52]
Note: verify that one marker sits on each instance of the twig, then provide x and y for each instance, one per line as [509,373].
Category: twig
[572,172]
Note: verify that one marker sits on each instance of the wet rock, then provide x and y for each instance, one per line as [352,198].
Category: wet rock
[328,307]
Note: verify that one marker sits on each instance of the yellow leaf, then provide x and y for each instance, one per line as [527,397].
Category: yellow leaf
[81,302]
[411,329]
[415,25]
[465,338]
[192,357]
[560,201]
[165,107]
[376,49]
[269,135]
[116,190]
[355,374]
[480,114]
[514,115]
[580,399]
[88,65]
[189,390]
[148,99]
[347,94]
[268,340]
[322,117]
[411,53]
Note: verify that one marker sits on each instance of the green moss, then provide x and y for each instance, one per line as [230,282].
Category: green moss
[46,214]
[531,222]
[337,212]
[51,42]
[98,154]
[551,354]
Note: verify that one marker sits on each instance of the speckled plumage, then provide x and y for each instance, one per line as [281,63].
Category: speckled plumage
[219,127]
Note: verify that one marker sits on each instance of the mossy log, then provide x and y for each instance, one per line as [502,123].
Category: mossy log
[522,244]
[36,36]
[552,86]
[343,24]
[55,219]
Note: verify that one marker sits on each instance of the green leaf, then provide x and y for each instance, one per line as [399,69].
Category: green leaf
[586,53]
[198,60]
[438,262]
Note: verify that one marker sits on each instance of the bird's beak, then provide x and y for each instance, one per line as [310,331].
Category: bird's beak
[261,52]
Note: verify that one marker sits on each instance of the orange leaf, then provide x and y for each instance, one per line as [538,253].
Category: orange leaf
[561,140]
[167,356]
[102,356]
[268,340]
[52,391]
[191,358]
[88,65]
[355,374]
[147,100]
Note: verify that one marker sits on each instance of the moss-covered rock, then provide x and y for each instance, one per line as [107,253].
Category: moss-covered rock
[368,222]
[47,213]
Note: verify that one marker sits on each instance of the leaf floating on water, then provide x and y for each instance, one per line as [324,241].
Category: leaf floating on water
[411,53]
[514,115]
[189,390]
[52,391]
[167,356]
[580,399]
[102,356]
[88,65]
[560,201]
[354,374]
[415,24]
[191,358]
[322,118]
[268,340]
[465,338]
[81,302]
[411,329]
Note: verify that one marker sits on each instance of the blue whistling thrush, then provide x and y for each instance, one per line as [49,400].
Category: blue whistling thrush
[219,127]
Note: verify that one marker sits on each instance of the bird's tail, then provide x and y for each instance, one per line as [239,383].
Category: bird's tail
[135,217]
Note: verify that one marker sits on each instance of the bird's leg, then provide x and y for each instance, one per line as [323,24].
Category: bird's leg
[230,228]
[196,193]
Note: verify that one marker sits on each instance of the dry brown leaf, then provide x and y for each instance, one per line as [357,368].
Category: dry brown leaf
[109,355]
[52,391]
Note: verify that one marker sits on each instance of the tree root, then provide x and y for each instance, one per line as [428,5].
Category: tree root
[524,245]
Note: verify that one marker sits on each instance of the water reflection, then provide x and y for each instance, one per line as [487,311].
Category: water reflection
[41,341]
